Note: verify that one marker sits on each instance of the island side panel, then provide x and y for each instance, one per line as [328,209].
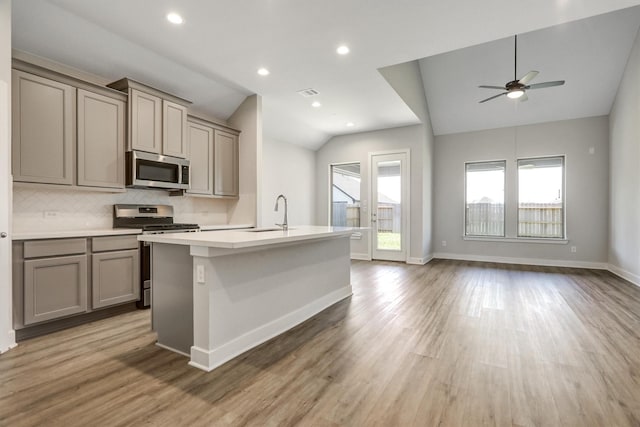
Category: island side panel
[172,296]
[254,296]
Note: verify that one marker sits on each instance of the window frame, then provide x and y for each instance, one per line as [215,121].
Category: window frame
[504,202]
[330,191]
[563,186]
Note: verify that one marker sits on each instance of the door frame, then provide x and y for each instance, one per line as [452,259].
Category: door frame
[406,200]
[7,338]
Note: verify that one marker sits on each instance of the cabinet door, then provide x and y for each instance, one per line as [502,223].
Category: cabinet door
[225,181]
[145,128]
[100,140]
[174,129]
[115,278]
[54,287]
[200,141]
[43,130]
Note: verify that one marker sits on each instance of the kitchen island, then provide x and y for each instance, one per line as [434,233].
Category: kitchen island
[217,294]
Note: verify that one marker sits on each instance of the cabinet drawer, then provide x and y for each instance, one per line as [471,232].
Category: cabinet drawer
[115,243]
[42,248]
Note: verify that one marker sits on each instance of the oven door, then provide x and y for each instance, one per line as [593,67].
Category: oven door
[156,171]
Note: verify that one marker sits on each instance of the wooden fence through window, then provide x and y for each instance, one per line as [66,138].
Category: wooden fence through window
[534,220]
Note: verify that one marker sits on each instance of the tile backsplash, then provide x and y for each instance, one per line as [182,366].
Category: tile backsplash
[61,209]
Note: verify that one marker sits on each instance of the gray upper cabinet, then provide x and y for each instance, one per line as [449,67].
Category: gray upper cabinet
[145,122]
[200,142]
[157,120]
[226,168]
[101,126]
[174,129]
[43,130]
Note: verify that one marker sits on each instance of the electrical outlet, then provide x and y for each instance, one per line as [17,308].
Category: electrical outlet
[444,243]
[574,249]
[200,273]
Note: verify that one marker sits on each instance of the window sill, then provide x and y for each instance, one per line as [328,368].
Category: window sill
[550,241]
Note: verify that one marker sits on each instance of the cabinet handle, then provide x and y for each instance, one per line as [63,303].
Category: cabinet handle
[3,235]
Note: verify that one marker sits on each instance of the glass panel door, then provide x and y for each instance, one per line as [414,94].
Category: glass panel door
[388,215]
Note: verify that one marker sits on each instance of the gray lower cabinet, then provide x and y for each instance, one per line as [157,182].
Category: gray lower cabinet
[115,277]
[58,278]
[54,288]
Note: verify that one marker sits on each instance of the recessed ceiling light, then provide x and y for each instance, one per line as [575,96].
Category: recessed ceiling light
[342,50]
[174,18]
[316,104]
[350,124]
[263,72]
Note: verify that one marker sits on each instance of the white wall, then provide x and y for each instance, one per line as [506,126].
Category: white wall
[248,118]
[290,170]
[7,337]
[624,214]
[586,190]
[356,148]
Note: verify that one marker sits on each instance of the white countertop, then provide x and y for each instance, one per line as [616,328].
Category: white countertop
[33,235]
[236,239]
[62,234]
[213,227]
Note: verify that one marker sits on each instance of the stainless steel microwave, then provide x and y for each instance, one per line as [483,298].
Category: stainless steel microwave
[148,170]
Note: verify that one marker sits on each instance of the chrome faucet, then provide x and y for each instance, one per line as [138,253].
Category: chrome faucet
[284,225]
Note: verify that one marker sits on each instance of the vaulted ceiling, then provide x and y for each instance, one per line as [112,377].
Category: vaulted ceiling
[213,57]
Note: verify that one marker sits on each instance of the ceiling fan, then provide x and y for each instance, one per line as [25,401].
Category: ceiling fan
[517,88]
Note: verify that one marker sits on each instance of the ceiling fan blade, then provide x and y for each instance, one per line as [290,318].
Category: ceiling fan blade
[492,87]
[545,84]
[524,97]
[493,97]
[528,77]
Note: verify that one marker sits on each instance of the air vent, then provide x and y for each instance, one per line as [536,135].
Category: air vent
[308,92]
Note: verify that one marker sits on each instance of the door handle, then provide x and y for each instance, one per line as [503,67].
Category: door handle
[3,235]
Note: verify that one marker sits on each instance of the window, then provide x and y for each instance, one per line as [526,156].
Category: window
[484,188]
[541,198]
[345,195]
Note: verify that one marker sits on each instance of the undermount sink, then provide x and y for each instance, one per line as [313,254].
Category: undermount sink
[261,229]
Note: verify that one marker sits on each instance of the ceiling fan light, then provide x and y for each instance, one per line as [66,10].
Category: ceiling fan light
[515,94]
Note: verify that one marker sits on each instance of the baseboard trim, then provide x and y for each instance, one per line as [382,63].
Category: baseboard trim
[11,340]
[523,261]
[626,275]
[361,257]
[208,360]
[419,261]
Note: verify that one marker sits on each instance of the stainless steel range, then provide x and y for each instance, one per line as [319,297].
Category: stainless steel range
[152,219]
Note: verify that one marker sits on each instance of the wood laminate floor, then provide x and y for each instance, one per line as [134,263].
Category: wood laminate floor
[451,343]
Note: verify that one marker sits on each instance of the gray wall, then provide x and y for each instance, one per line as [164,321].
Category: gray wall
[356,148]
[586,192]
[624,225]
[290,170]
